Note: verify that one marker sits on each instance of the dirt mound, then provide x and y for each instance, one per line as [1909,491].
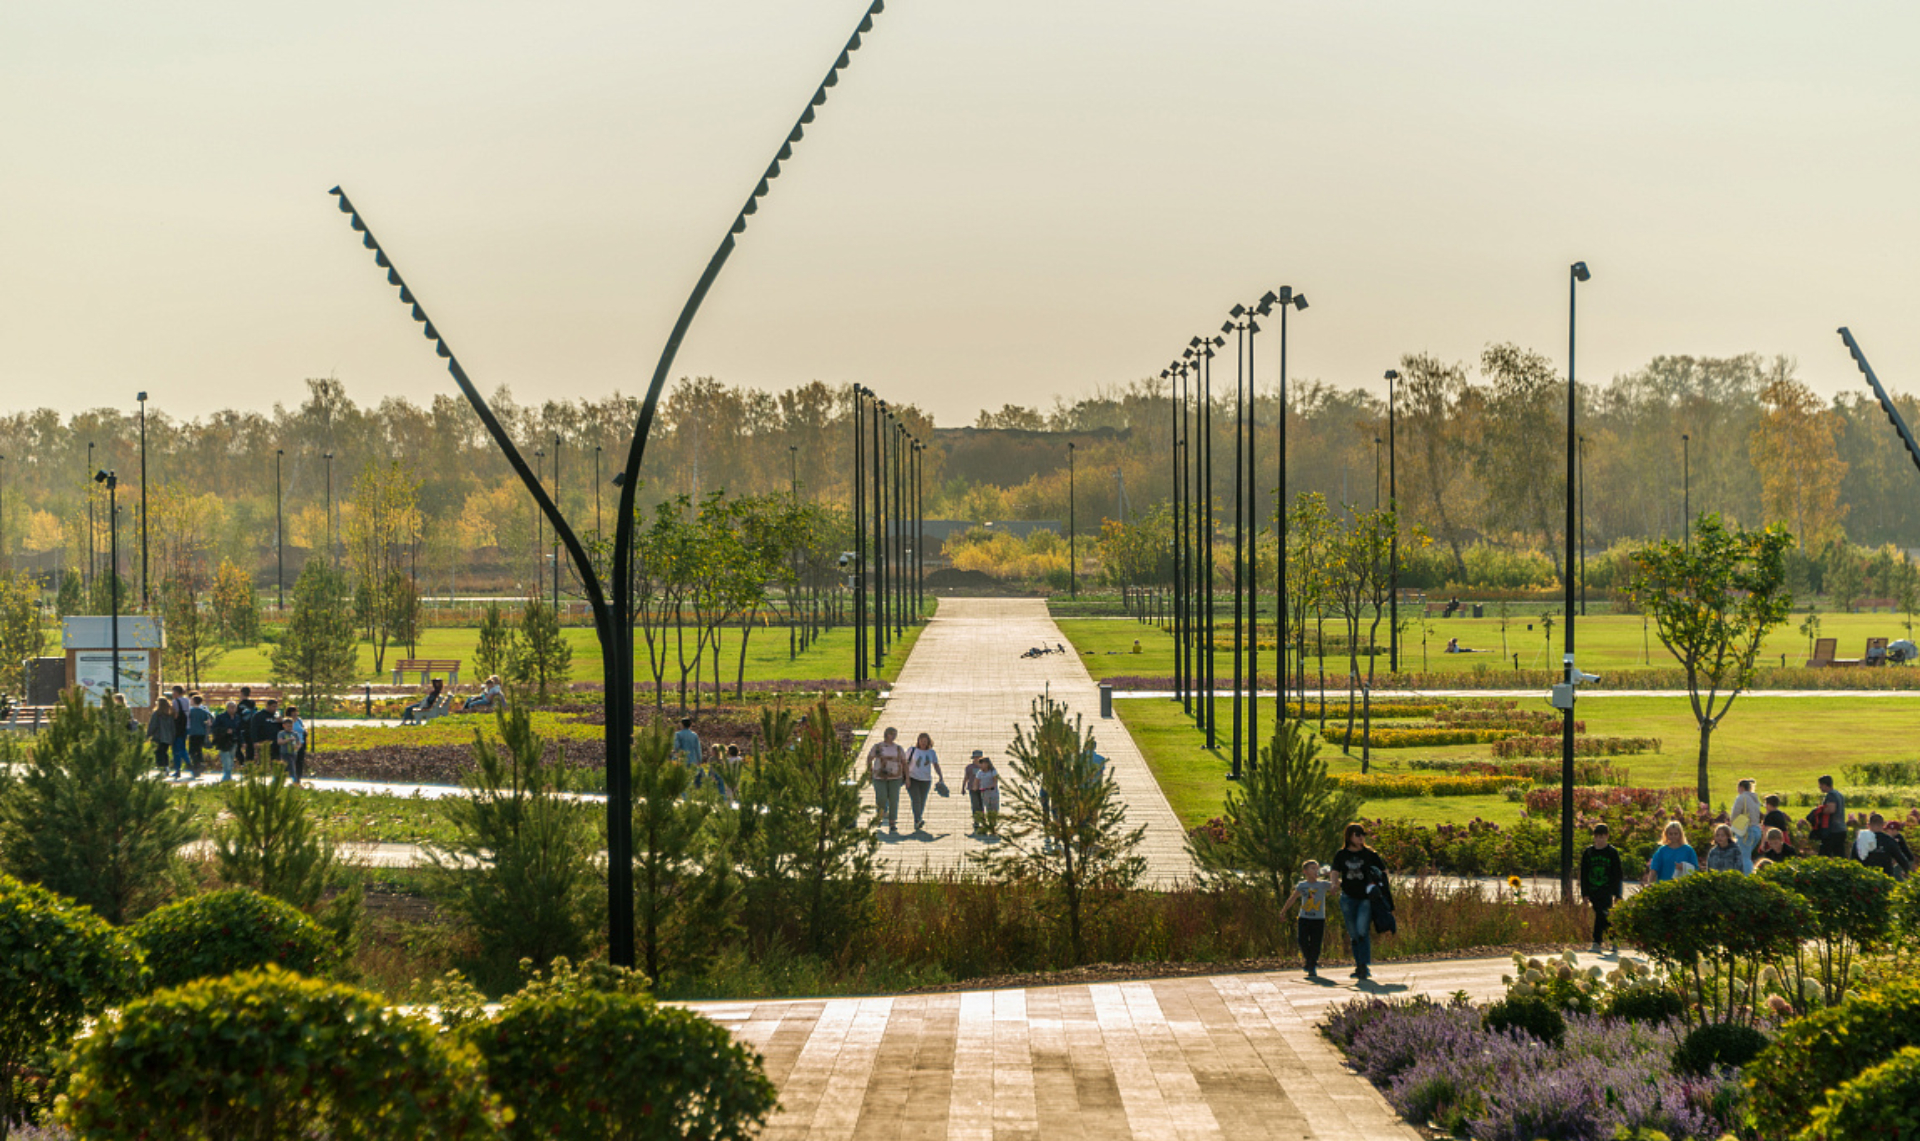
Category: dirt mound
[952,580]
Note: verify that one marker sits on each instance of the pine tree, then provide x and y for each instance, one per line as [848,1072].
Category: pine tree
[1284,812]
[495,653]
[318,650]
[72,598]
[543,656]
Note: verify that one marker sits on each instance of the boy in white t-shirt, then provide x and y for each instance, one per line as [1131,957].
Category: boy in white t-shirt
[1311,894]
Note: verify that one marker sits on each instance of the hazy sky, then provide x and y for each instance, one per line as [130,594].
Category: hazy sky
[1003,201]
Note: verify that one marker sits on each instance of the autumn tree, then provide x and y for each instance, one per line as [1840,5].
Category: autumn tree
[1521,456]
[1438,416]
[236,612]
[317,652]
[1793,448]
[381,528]
[1713,600]
[21,635]
[193,636]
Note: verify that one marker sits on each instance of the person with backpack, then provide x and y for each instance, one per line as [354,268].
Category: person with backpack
[1879,849]
[1603,882]
[224,731]
[1827,823]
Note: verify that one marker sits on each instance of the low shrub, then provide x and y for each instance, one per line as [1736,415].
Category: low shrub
[1906,910]
[268,1055]
[226,931]
[1525,721]
[1585,772]
[1518,746]
[594,1064]
[1823,1050]
[1714,931]
[1384,738]
[1644,1004]
[1387,786]
[1884,1101]
[1528,1013]
[1880,772]
[1852,909]
[1717,1044]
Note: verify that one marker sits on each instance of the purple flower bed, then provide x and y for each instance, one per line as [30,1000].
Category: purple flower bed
[1439,1064]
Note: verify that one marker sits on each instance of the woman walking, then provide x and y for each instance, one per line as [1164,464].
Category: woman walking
[887,766]
[1674,857]
[1357,868]
[982,786]
[1726,856]
[923,765]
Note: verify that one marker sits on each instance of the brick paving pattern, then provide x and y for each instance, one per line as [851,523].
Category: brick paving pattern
[966,685]
[1216,1057]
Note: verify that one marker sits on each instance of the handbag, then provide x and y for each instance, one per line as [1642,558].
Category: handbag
[940,787]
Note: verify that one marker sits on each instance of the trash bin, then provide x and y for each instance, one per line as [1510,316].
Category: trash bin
[1479,611]
[1106,700]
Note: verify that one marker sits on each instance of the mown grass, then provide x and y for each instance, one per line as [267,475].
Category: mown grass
[346,817]
[1612,642]
[1784,743]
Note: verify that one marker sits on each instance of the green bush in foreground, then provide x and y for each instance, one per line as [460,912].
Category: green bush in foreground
[1882,1102]
[60,964]
[594,1064]
[227,931]
[1714,931]
[1823,1050]
[1534,1015]
[266,1055]
[1852,910]
[1717,1044]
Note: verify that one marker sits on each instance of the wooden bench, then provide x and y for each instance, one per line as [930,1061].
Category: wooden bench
[217,696]
[427,667]
[1823,650]
[439,708]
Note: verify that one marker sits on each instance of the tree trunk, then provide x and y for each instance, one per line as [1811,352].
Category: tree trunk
[1705,789]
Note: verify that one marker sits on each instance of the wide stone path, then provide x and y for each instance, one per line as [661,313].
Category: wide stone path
[1224,1056]
[966,685]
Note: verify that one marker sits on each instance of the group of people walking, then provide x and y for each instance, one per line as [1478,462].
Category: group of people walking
[892,766]
[182,727]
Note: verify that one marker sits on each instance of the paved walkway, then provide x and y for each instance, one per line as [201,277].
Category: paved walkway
[1214,1057]
[966,685]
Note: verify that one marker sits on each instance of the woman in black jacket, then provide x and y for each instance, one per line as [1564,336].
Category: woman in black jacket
[1356,868]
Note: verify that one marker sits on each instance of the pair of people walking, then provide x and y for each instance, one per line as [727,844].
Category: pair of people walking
[892,766]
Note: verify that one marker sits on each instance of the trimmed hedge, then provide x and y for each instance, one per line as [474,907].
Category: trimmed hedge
[1385,786]
[598,1065]
[1884,1101]
[268,1054]
[227,931]
[1517,746]
[1827,1048]
[1717,1044]
[1382,738]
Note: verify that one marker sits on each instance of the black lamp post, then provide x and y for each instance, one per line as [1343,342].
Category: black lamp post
[93,527]
[1287,299]
[539,564]
[144,593]
[1073,560]
[1393,539]
[331,545]
[1238,328]
[596,489]
[1686,490]
[1177,402]
[1576,274]
[879,538]
[555,546]
[1583,526]
[859,568]
[279,534]
[112,483]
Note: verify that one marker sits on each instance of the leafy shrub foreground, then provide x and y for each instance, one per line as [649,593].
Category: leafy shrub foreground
[1445,1065]
[222,932]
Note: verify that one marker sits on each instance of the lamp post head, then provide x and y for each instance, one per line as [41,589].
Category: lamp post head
[141,397]
[276,451]
[1237,311]
[1266,302]
[1393,374]
[1230,326]
[619,479]
[1220,342]
[1299,301]
[1580,272]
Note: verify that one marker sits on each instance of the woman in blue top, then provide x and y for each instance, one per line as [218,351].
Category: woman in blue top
[1673,855]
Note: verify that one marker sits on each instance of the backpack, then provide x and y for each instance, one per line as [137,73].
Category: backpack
[1886,854]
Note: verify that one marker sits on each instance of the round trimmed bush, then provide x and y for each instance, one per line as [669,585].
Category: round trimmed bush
[1536,1016]
[227,931]
[1713,916]
[60,964]
[1824,1050]
[1717,1044]
[593,1064]
[267,1055]
[1645,1004]
[1850,900]
[1882,1102]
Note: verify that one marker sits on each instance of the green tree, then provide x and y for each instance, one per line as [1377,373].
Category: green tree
[520,869]
[1066,825]
[21,634]
[72,597]
[193,642]
[401,597]
[1285,811]
[496,651]
[381,528]
[100,597]
[1713,602]
[268,841]
[236,612]
[60,964]
[317,650]
[542,656]
[1714,931]
[84,819]
[685,898]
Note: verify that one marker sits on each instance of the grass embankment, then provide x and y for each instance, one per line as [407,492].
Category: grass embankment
[1784,743]
[1608,643]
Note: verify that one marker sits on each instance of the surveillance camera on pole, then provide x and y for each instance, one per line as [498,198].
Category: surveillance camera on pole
[1563,694]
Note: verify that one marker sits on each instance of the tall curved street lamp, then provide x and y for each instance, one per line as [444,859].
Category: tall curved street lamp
[611,599]
[1286,299]
[145,594]
[1393,537]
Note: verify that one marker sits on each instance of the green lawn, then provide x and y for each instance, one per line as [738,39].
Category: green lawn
[829,658]
[1784,743]
[1607,643]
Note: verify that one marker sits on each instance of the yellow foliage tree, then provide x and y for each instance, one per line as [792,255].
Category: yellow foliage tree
[1794,449]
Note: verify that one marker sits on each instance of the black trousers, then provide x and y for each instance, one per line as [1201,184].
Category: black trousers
[1602,916]
[1312,933]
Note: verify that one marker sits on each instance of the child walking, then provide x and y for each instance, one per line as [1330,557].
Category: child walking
[1602,882]
[1311,894]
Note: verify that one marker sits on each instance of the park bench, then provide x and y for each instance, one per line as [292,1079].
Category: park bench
[217,696]
[427,667]
[431,710]
[1823,649]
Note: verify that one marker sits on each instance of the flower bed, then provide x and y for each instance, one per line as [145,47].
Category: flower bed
[1533,772]
[1668,803]
[1385,786]
[1517,746]
[1442,1064]
[1534,720]
[1383,738]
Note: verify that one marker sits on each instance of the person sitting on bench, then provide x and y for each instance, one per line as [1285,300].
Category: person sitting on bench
[1453,607]
[491,696]
[431,700]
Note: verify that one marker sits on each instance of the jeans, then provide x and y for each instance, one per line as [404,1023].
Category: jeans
[1749,840]
[886,800]
[917,791]
[196,751]
[1312,933]
[1358,914]
[226,764]
[296,763]
[179,749]
[1602,921]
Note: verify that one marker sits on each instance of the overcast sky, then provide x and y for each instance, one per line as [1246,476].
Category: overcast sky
[1003,201]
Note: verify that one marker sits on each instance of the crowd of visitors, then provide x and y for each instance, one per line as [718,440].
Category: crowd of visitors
[181,728]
